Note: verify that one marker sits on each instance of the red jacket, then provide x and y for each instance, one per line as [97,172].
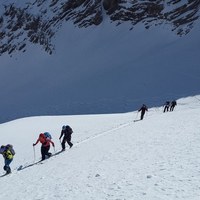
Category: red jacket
[45,141]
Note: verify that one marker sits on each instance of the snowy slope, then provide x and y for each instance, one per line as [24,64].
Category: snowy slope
[112,157]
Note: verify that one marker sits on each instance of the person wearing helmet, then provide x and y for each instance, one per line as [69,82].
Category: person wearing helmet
[45,141]
[66,132]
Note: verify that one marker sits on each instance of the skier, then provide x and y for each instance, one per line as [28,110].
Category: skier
[173,104]
[8,154]
[45,141]
[167,104]
[143,109]
[67,132]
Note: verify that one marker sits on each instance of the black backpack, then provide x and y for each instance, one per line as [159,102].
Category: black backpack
[69,129]
[10,148]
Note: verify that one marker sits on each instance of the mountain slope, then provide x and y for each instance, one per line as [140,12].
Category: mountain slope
[98,69]
[112,157]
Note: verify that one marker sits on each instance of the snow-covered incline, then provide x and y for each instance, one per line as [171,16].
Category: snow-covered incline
[112,157]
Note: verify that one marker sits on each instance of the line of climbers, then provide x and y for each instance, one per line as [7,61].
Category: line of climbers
[168,106]
[45,139]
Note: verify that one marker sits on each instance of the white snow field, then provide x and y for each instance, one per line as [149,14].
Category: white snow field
[113,158]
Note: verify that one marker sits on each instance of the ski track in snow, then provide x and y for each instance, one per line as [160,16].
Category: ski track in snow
[154,159]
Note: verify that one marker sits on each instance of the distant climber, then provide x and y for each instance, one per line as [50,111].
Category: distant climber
[8,154]
[143,109]
[66,132]
[166,106]
[45,141]
[173,104]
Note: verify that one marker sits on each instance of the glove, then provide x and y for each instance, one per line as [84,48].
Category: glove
[53,145]
[33,144]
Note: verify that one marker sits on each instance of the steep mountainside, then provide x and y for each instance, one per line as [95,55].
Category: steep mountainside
[23,22]
[90,56]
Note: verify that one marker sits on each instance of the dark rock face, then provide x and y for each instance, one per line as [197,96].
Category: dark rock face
[111,5]
[22,25]
[18,27]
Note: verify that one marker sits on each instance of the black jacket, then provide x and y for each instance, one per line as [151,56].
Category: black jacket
[143,109]
[66,132]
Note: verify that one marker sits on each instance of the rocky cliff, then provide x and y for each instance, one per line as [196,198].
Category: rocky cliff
[37,22]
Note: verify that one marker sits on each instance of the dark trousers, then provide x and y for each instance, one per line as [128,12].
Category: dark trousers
[142,115]
[166,108]
[45,151]
[172,108]
[68,140]
[6,166]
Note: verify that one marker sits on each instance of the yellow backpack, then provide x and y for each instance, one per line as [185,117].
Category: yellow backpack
[9,152]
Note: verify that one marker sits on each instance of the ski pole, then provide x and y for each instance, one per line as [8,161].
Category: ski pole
[60,142]
[34,153]
[136,115]
[54,149]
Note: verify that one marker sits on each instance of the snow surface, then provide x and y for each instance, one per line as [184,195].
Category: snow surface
[112,158]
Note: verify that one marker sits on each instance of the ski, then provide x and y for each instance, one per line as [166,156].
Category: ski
[22,167]
[137,120]
[6,174]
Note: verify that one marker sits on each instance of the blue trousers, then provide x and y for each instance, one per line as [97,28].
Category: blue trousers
[7,163]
